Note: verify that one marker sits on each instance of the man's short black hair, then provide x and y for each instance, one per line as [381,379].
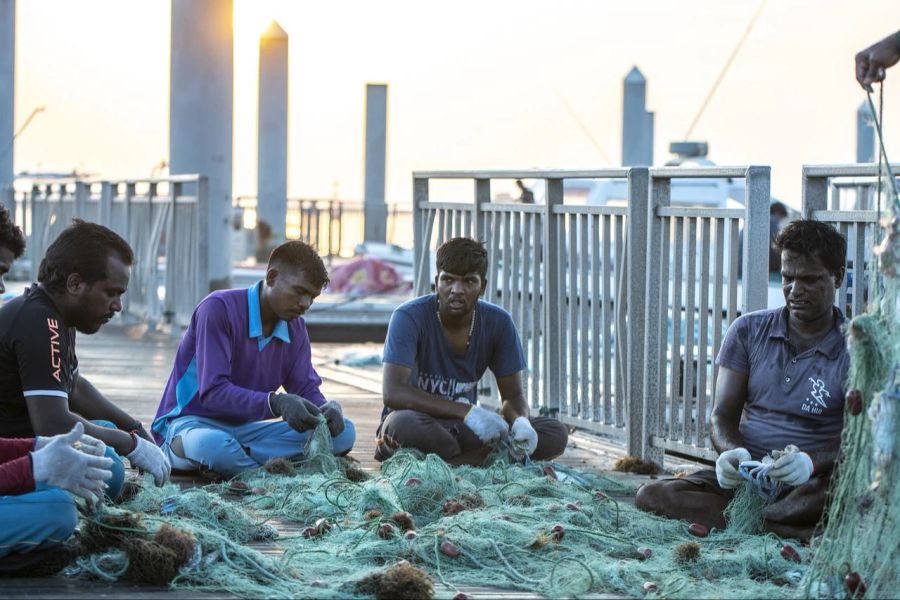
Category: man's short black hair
[462,256]
[11,235]
[300,255]
[82,248]
[814,238]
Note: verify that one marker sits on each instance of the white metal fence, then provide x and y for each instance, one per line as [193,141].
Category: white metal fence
[582,295]
[845,196]
[164,221]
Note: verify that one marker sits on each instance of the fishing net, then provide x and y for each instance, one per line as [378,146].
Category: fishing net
[539,527]
[857,553]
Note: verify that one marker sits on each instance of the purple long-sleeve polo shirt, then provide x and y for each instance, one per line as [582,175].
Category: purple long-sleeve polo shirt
[225,367]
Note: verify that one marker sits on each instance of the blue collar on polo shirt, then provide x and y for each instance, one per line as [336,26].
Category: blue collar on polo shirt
[255,320]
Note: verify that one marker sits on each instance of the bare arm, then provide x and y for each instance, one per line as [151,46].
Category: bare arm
[513,397]
[731,395]
[89,403]
[398,394]
[50,415]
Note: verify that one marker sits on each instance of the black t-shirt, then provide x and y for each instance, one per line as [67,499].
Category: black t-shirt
[37,358]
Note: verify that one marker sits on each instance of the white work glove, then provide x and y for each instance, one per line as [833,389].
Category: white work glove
[792,468]
[59,464]
[487,425]
[149,457]
[524,435]
[727,464]
[87,444]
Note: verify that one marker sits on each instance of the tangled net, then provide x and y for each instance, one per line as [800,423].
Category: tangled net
[857,554]
[538,528]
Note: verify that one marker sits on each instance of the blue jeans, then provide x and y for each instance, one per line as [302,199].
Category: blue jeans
[229,449]
[36,520]
[117,480]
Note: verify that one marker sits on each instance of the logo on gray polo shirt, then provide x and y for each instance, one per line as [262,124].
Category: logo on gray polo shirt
[819,393]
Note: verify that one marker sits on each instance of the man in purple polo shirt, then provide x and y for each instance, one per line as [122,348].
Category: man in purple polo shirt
[241,347]
[781,382]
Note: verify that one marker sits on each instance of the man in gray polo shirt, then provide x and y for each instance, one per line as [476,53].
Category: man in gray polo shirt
[781,380]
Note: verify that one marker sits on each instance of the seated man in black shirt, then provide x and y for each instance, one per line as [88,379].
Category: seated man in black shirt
[81,282]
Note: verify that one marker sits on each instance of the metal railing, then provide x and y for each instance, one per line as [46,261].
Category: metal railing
[845,196]
[333,226]
[582,295]
[164,221]
[695,289]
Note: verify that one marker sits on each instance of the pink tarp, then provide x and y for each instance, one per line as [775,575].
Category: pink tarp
[366,275]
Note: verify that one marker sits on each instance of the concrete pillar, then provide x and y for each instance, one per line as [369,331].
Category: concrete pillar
[637,123]
[7,94]
[271,187]
[376,150]
[865,134]
[200,114]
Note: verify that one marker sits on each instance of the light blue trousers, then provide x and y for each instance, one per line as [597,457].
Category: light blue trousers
[229,449]
[36,520]
[117,480]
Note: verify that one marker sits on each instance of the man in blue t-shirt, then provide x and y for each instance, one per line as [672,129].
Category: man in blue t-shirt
[780,386]
[437,349]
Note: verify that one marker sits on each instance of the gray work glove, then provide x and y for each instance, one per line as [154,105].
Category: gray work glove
[298,412]
[148,457]
[332,412]
[59,464]
[727,465]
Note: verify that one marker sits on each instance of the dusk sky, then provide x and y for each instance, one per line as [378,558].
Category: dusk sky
[473,84]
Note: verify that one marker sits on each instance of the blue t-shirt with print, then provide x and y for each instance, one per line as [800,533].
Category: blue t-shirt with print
[415,339]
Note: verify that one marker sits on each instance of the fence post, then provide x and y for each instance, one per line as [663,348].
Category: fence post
[201,230]
[420,253]
[482,197]
[656,305]
[638,192]
[552,276]
[815,194]
[755,269]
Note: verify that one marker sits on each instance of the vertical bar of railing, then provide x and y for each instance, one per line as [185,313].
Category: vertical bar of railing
[690,287]
[733,239]
[655,310]
[596,330]
[609,416]
[420,252]
[537,303]
[572,372]
[81,198]
[552,286]
[621,269]
[584,327]
[482,197]
[677,311]
[493,244]
[172,232]
[106,198]
[507,273]
[756,238]
[515,288]
[638,192]
[703,336]
[842,295]
[859,270]
[718,282]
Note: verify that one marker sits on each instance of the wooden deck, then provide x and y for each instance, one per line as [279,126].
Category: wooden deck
[130,366]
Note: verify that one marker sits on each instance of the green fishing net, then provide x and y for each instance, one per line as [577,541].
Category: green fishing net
[539,528]
[857,553]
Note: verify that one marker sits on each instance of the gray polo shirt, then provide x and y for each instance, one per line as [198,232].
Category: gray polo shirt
[791,398]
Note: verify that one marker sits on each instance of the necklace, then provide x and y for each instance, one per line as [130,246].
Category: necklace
[471,325]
